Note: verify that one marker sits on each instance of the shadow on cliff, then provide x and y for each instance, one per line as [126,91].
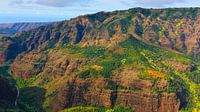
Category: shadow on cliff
[7,89]
[182,91]
[31,99]
[7,94]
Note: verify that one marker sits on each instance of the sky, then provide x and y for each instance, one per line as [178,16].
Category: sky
[12,11]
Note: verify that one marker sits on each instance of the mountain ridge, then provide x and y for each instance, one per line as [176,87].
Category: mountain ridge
[81,19]
[11,28]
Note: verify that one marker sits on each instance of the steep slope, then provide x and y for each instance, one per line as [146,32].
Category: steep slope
[8,91]
[137,59]
[7,95]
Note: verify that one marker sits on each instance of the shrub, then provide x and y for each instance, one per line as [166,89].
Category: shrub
[109,65]
[125,23]
[139,29]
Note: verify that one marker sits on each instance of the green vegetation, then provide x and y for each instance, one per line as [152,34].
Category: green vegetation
[98,109]
[106,61]
[181,13]
[194,90]
[31,99]
[8,83]
[108,66]
[139,29]
[50,45]
[101,16]
[21,83]
[89,51]
[125,23]
[4,73]
[155,28]
[111,30]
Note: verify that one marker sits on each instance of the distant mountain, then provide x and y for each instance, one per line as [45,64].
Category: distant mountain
[11,28]
[143,60]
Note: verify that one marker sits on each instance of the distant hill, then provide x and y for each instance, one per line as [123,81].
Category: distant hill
[11,28]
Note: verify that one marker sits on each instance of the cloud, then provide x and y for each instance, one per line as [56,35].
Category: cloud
[21,2]
[88,3]
[52,3]
[16,2]
[57,3]
[129,3]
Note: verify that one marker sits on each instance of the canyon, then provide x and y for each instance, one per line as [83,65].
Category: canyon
[143,60]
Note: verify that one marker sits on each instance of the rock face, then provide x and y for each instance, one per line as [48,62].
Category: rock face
[141,102]
[28,65]
[78,94]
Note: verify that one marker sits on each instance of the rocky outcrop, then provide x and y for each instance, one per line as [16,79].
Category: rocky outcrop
[180,67]
[79,92]
[141,102]
[55,64]
[28,65]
